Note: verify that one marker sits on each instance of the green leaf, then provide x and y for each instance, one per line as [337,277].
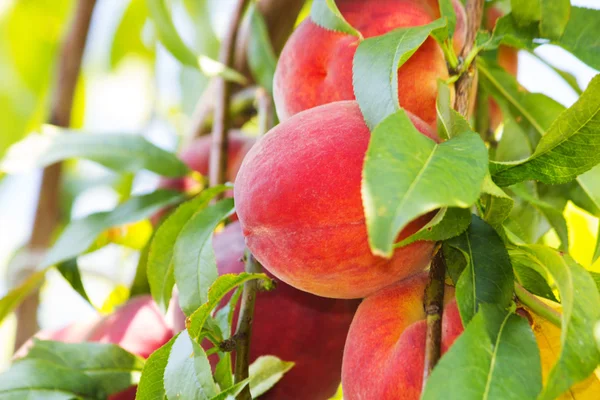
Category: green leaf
[554,18]
[232,391]
[531,279]
[581,36]
[589,182]
[194,262]
[496,202]
[447,11]
[79,235]
[188,374]
[495,358]
[140,284]
[70,271]
[223,285]
[326,14]
[128,36]
[40,379]
[443,107]
[160,265]
[554,216]
[514,143]
[488,276]
[169,37]
[406,175]
[447,223]
[261,56]
[580,301]
[265,372]
[15,296]
[526,11]
[375,66]
[121,153]
[110,367]
[569,148]
[151,386]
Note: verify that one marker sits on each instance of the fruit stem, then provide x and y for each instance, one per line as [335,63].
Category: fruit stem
[537,306]
[47,215]
[474,10]
[218,151]
[243,333]
[433,302]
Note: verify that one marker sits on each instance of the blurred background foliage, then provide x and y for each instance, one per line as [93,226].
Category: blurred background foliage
[131,84]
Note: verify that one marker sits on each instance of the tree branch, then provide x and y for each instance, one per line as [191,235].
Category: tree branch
[434,309]
[474,10]
[218,153]
[243,334]
[47,214]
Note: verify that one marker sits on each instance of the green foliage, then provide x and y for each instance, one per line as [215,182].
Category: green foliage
[580,311]
[70,271]
[447,223]
[374,69]
[151,384]
[79,235]
[160,264]
[488,275]
[128,36]
[581,36]
[15,296]
[121,153]
[326,14]
[261,56]
[425,177]
[265,372]
[483,362]
[496,204]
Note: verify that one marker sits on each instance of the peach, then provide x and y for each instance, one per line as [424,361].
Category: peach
[315,66]
[138,327]
[508,58]
[298,198]
[292,325]
[387,340]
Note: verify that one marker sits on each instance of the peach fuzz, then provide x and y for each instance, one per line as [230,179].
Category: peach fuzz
[292,325]
[315,66]
[298,198]
[138,327]
[385,349]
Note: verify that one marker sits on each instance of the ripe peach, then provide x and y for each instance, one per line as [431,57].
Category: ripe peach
[138,327]
[508,58]
[292,325]
[387,339]
[298,198]
[315,66]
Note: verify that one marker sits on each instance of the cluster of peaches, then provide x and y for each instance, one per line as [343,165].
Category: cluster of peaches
[300,212]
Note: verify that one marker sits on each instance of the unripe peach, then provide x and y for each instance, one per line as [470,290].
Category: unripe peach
[292,325]
[315,66]
[298,198]
[385,349]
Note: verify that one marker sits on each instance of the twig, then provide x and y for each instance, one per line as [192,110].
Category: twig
[243,333]
[537,306]
[266,116]
[434,309]
[474,10]
[48,210]
[218,153]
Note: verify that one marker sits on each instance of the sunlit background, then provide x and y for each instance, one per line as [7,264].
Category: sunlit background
[139,95]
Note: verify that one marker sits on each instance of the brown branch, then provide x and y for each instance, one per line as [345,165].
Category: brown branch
[266,112]
[47,214]
[218,153]
[434,308]
[474,10]
[243,334]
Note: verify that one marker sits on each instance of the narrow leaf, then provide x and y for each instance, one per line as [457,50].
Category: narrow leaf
[589,182]
[447,11]
[232,391]
[569,148]
[488,276]
[261,56]
[481,364]
[447,223]
[160,266]
[406,175]
[195,266]
[496,202]
[15,296]
[151,386]
[581,36]
[375,66]
[70,271]
[223,285]
[80,234]
[326,14]
[265,372]
[526,11]
[128,35]
[534,280]
[121,153]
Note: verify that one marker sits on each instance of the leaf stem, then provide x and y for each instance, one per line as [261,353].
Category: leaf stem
[433,303]
[221,125]
[537,306]
[243,333]
[47,215]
